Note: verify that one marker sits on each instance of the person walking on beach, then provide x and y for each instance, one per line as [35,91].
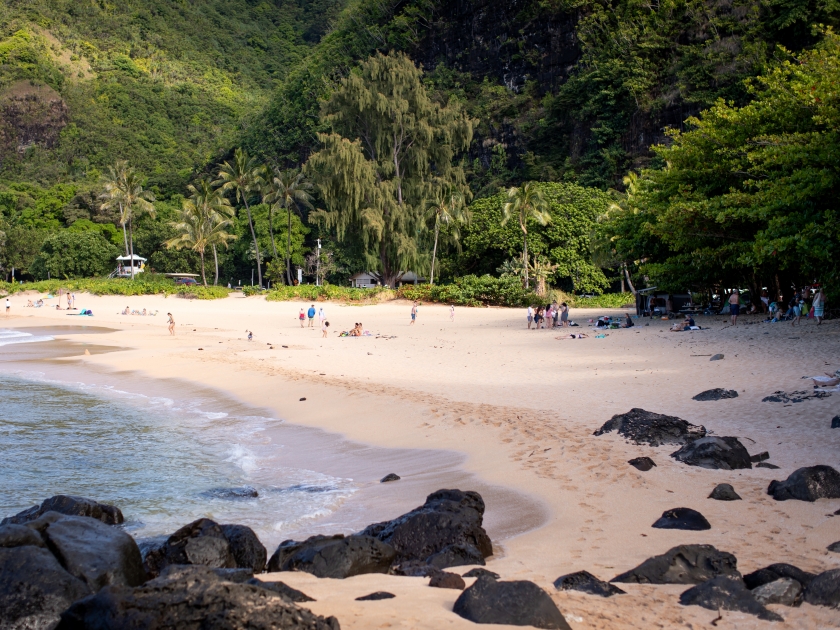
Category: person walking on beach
[564,315]
[451,312]
[301,317]
[311,315]
[819,305]
[324,326]
[530,316]
[734,306]
[8,306]
[413,314]
[796,308]
[171,323]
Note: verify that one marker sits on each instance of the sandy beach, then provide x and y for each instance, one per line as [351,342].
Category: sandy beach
[483,400]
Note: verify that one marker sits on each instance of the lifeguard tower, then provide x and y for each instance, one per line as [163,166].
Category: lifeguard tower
[125,264]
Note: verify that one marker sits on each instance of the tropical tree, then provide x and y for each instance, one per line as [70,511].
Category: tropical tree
[526,202]
[219,212]
[447,210]
[289,190]
[243,176]
[389,148]
[123,191]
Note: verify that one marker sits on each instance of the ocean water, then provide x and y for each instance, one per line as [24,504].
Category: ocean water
[9,337]
[164,461]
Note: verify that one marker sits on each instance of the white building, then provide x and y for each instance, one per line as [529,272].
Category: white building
[368,279]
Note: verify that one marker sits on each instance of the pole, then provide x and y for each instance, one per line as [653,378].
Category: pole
[318,265]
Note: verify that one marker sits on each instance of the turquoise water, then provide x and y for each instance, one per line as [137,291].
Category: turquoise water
[163,462]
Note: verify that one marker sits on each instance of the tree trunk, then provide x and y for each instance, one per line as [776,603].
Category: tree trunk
[216,261]
[289,248]
[621,275]
[131,242]
[629,281]
[271,231]
[203,277]
[434,252]
[254,236]
[525,255]
[125,236]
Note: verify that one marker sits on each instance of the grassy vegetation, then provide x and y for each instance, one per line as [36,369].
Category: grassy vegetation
[312,293]
[146,284]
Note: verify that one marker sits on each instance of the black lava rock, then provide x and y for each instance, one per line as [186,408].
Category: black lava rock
[682,518]
[375,597]
[239,576]
[333,556]
[807,484]
[201,542]
[686,564]
[19,536]
[724,492]
[835,422]
[477,573]
[716,357]
[246,492]
[456,556]
[414,568]
[824,589]
[248,552]
[448,517]
[642,463]
[784,591]
[766,465]
[70,506]
[726,593]
[725,453]
[775,572]
[760,457]
[448,580]
[646,427]
[390,477]
[835,547]
[716,394]
[518,603]
[284,590]
[586,582]
[190,597]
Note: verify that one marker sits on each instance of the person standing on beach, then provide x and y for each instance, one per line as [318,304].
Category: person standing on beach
[451,312]
[322,315]
[413,314]
[564,315]
[311,315]
[301,317]
[530,316]
[8,306]
[734,306]
[796,308]
[324,326]
[171,323]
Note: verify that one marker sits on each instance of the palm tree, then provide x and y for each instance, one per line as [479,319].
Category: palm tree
[288,190]
[243,176]
[526,203]
[123,190]
[218,212]
[447,209]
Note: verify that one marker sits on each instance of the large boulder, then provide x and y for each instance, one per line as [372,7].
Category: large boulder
[807,484]
[19,536]
[824,589]
[726,593]
[284,590]
[775,572]
[517,603]
[686,564]
[71,506]
[456,556]
[91,551]
[448,517]
[248,552]
[587,583]
[34,588]
[682,518]
[333,556]
[716,394]
[646,427]
[784,591]
[725,453]
[190,598]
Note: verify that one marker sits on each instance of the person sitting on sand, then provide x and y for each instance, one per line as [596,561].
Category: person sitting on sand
[686,324]
[143,313]
[126,311]
[250,335]
[573,336]
[29,304]
[628,321]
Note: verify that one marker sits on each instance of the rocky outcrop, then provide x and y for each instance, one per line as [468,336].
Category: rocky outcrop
[686,564]
[807,484]
[587,583]
[190,597]
[71,506]
[284,590]
[456,556]
[682,518]
[517,603]
[448,517]
[333,556]
[646,427]
[784,591]
[775,572]
[444,579]
[248,551]
[716,394]
[824,589]
[724,453]
[727,593]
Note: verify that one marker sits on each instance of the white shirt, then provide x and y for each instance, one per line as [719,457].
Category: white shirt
[8,303]
[530,312]
[321,314]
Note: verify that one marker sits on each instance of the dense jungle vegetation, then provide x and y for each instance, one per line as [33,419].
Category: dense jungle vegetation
[687,144]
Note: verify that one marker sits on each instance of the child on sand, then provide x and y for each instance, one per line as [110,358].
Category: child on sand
[324,326]
[413,314]
[171,323]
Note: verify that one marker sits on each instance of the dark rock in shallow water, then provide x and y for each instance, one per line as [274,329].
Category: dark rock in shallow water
[586,582]
[284,590]
[375,597]
[238,576]
[726,593]
[518,603]
[71,506]
[835,547]
[477,573]
[248,552]
[724,492]
[775,572]
[333,556]
[34,588]
[19,536]
[190,598]
[646,427]
[784,591]
[807,484]
[686,564]
[642,463]
[716,394]
[725,453]
[246,492]
[824,589]
[448,580]
[456,556]
[201,542]
[390,477]
[682,518]
[448,517]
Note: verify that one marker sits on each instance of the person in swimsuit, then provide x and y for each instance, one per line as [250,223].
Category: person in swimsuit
[301,317]
[413,314]
[573,336]
[819,305]
[324,326]
[734,306]
[171,323]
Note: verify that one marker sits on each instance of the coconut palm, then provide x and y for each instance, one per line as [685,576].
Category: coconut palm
[123,191]
[243,176]
[526,202]
[218,212]
[288,190]
[447,209]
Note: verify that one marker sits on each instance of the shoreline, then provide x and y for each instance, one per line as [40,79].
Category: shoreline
[522,408]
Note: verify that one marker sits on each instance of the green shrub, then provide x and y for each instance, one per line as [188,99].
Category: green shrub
[312,293]
[143,284]
[70,254]
[473,291]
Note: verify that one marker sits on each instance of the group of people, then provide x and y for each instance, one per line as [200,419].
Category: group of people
[809,301]
[310,315]
[129,311]
[548,316]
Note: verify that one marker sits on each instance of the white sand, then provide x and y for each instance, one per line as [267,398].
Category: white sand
[521,408]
